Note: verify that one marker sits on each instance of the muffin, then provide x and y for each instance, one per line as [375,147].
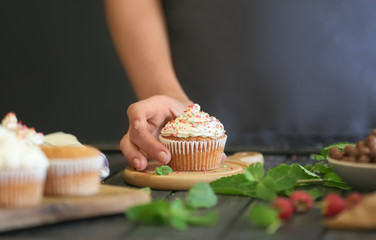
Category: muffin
[23,169]
[11,122]
[195,139]
[73,171]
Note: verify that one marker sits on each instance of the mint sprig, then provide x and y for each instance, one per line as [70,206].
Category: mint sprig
[163,170]
[178,214]
[279,180]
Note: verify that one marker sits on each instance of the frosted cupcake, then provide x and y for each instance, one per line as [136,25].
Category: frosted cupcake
[11,122]
[23,169]
[73,171]
[195,139]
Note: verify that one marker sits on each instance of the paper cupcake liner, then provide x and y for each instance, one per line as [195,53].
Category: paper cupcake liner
[21,187]
[195,155]
[73,176]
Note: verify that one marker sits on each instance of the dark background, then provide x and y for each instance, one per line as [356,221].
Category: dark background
[59,70]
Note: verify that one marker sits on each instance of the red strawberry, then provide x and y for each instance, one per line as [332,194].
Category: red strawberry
[353,199]
[284,207]
[333,204]
[302,201]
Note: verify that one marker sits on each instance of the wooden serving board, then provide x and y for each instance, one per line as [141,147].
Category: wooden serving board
[108,200]
[178,180]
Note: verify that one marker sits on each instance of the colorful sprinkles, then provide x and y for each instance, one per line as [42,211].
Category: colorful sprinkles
[194,122]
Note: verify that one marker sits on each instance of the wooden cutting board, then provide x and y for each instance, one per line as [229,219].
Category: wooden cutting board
[178,180]
[109,200]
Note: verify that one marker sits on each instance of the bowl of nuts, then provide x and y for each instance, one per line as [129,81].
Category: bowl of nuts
[356,164]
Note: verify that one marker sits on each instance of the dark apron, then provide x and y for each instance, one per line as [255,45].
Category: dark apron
[279,73]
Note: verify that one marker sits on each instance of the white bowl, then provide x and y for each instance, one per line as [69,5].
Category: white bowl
[361,176]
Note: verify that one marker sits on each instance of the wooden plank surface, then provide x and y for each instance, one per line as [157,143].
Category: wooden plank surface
[232,224]
[108,200]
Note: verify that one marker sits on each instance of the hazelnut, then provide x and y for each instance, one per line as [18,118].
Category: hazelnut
[349,159]
[360,144]
[350,150]
[373,132]
[371,140]
[364,159]
[335,153]
[364,151]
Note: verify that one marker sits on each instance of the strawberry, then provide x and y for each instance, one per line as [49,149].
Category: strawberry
[333,204]
[283,206]
[301,201]
[353,199]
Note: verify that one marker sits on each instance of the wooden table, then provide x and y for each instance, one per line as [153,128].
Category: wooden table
[233,223]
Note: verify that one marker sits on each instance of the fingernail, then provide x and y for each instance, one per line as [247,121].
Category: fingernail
[162,157]
[136,124]
[136,163]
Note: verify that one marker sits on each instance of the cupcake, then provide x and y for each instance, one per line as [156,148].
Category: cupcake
[73,171]
[23,169]
[195,139]
[11,122]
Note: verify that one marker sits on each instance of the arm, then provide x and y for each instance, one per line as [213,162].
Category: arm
[139,35]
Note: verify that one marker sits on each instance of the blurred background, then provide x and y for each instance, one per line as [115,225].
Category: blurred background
[59,70]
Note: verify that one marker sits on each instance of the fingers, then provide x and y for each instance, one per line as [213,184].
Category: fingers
[140,139]
[135,157]
[145,141]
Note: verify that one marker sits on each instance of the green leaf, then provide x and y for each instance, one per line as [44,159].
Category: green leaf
[333,180]
[163,170]
[234,185]
[322,168]
[264,216]
[179,215]
[282,177]
[201,195]
[319,157]
[255,172]
[315,193]
[208,219]
[155,212]
[266,189]
[146,189]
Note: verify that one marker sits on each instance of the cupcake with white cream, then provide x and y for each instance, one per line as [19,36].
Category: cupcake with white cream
[195,139]
[23,168]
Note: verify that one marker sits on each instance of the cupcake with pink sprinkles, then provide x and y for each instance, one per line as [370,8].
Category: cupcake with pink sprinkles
[195,139]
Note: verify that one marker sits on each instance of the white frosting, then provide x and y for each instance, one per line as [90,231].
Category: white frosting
[194,123]
[16,153]
[10,121]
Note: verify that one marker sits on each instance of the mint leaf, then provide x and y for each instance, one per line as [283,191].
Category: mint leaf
[333,180]
[155,212]
[234,185]
[206,220]
[254,172]
[266,189]
[201,195]
[322,169]
[315,193]
[282,177]
[179,214]
[264,216]
[163,170]
[146,189]
[319,157]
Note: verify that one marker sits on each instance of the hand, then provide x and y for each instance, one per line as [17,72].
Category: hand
[146,119]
